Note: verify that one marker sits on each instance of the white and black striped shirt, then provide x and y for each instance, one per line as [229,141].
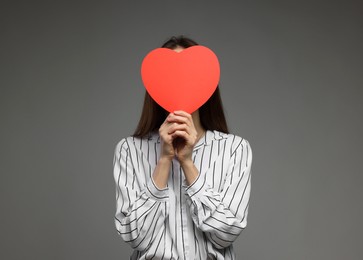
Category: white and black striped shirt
[199,221]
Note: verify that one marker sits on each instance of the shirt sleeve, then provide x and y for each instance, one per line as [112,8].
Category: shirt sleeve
[222,216]
[140,211]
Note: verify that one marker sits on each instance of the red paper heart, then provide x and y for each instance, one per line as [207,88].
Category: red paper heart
[180,80]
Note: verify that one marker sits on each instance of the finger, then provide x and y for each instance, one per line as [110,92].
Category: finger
[179,119]
[166,137]
[180,133]
[175,126]
[164,128]
[166,122]
[168,117]
[184,114]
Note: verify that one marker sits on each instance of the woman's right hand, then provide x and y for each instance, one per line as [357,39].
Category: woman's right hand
[167,149]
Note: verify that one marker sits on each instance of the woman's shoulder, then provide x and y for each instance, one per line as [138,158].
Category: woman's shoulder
[234,140]
[217,135]
[121,144]
[126,142]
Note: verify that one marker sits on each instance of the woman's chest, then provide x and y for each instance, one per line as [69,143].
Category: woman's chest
[211,161]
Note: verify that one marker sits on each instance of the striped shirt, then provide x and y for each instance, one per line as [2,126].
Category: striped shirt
[199,221]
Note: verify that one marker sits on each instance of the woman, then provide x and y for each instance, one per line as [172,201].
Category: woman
[183,181]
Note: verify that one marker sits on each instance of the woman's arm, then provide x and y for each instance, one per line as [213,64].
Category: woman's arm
[140,211]
[223,216]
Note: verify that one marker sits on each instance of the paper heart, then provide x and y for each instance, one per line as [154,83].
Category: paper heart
[181,80]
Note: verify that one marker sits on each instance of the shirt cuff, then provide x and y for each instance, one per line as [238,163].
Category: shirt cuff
[154,192]
[197,187]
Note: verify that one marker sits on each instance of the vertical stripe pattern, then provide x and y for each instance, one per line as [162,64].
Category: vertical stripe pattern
[200,221]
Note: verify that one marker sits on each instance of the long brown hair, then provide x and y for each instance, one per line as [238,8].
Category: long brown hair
[153,115]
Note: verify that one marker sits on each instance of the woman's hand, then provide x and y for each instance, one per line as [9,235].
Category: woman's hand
[178,137]
[167,149]
[183,134]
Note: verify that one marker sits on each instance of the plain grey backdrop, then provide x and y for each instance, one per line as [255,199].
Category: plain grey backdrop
[291,83]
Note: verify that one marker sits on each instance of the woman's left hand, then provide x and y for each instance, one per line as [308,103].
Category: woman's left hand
[184,135]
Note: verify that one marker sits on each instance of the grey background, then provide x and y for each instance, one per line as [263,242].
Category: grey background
[291,82]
